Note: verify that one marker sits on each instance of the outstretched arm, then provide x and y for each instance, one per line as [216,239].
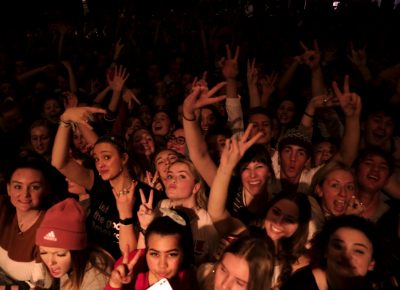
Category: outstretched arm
[312,58]
[197,146]
[60,154]
[230,71]
[351,105]
[125,203]
[234,149]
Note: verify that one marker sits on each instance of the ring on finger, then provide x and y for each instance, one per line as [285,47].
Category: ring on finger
[325,101]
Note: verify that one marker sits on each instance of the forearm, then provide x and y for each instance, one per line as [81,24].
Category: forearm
[60,154]
[73,86]
[198,150]
[219,194]
[317,82]
[364,72]
[286,79]
[118,125]
[113,105]
[127,236]
[102,95]
[350,141]
[89,135]
[235,114]
[254,96]
[24,76]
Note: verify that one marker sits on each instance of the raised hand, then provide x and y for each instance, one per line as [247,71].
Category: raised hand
[70,100]
[119,78]
[349,102]
[355,206]
[122,274]
[81,115]
[199,97]
[118,48]
[229,65]
[268,83]
[130,98]
[311,57]
[252,72]
[236,147]
[125,200]
[146,213]
[357,57]
[153,181]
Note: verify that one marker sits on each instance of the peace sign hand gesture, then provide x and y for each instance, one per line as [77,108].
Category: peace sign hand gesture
[229,65]
[122,274]
[236,147]
[199,97]
[146,213]
[311,57]
[350,102]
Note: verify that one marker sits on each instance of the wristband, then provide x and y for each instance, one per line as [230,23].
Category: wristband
[126,222]
[308,115]
[188,119]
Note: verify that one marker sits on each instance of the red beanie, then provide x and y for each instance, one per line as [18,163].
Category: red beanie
[63,226]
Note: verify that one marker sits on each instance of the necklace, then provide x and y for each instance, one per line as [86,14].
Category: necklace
[25,224]
[125,190]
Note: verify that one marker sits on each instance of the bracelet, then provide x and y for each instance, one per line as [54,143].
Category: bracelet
[188,119]
[126,222]
[308,115]
[66,124]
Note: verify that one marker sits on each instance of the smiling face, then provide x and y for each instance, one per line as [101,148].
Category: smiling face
[161,125]
[143,142]
[51,110]
[372,173]
[285,112]
[207,119]
[108,161]
[181,186]
[378,129]
[58,261]
[254,176]
[164,256]
[282,220]
[336,191]
[26,189]
[231,273]
[349,253]
[40,139]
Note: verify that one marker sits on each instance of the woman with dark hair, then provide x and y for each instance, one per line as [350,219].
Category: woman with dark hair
[168,253]
[285,220]
[62,241]
[21,211]
[113,172]
[344,255]
[141,147]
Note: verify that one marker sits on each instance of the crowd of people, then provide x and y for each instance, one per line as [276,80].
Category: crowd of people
[204,147]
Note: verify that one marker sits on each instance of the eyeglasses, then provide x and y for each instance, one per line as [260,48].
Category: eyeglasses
[178,140]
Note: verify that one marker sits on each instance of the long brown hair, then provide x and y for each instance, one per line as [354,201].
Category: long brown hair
[83,260]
